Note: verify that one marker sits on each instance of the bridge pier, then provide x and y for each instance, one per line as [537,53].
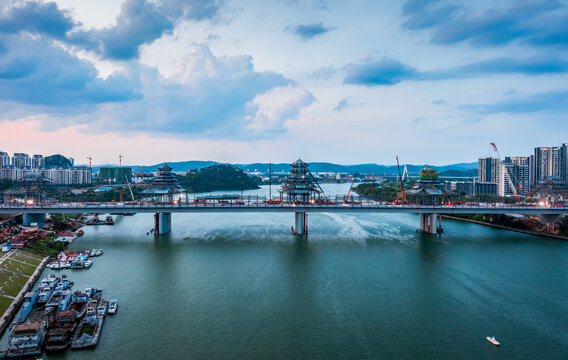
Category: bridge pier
[162,223]
[428,223]
[300,223]
[28,219]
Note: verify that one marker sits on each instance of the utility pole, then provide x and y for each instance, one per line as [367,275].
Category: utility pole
[269,178]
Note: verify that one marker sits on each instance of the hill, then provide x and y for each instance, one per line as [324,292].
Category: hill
[217,177]
[57,161]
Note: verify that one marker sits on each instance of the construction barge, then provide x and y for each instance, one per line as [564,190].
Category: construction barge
[63,321]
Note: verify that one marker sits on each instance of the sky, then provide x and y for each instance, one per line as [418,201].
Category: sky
[360,81]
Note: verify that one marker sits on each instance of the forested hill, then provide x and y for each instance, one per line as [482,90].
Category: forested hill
[217,177]
[57,161]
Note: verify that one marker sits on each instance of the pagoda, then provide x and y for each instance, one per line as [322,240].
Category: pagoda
[300,187]
[164,185]
[428,189]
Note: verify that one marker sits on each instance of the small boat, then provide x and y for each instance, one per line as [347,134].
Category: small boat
[80,233]
[109,220]
[92,308]
[102,309]
[112,306]
[493,341]
[88,264]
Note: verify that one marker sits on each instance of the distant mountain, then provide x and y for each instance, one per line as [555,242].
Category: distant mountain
[183,166]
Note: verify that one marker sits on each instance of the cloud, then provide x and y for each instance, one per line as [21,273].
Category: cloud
[325,73]
[390,71]
[38,18]
[308,31]
[381,72]
[342,105]
[275,107]
[139,22]
[39,73]
[534,22]
[439,102]
[208,95]
[550,102]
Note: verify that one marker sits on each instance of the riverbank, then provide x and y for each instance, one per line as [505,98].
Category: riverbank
[14,267]
[531,232]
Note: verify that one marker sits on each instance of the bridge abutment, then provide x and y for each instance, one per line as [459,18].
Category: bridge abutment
[430,223]
[28,219]
[162,223]
[300,223]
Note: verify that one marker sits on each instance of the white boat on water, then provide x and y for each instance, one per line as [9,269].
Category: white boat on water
[88,264]
[113,306]
[493,341]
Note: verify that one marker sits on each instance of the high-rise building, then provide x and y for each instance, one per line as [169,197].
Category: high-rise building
[21,160]
[488,170]
[564,162]
[4,159]
[38,161]
[518,169]
[547,163]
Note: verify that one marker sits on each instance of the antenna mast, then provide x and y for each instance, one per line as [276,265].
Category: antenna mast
[269,178]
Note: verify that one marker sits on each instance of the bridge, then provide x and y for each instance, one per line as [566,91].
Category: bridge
[430,221]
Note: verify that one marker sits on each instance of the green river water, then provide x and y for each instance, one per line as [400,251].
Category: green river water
[362,286]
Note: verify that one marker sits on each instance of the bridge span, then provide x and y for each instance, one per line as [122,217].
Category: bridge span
[429,214]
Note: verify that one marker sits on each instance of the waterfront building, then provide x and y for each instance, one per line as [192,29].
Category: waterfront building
[78,175]
[488,170]
[547,163]
[164,185]
[564,162]
[301,186]
[38,161]
[458,186]
[428,189]
[519,169]
[115,174]
[21,160]
[485,188]
[4,159]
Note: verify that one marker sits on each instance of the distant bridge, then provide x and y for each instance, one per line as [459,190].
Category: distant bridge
[429,214]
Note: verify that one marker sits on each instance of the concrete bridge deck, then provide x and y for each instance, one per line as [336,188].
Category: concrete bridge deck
[430,220]
[366,207]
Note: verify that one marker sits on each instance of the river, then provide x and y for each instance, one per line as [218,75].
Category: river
[363,286]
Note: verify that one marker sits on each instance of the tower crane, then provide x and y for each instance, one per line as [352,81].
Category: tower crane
[90,159]
[403,200]
[506,172]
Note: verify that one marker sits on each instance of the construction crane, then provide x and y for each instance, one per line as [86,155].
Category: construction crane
[120,160]
[351,187]
[506,172]
[90,159]
[403,200]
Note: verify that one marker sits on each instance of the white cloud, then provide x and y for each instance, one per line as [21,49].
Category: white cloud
[277,106]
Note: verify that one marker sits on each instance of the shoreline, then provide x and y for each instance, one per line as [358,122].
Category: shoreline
[530,232]
[11,311]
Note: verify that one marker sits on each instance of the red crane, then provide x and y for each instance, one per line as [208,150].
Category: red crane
[403,200]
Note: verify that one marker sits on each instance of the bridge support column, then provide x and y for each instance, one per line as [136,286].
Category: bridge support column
[301,223]
[428,223]
[39,219]
[162,223]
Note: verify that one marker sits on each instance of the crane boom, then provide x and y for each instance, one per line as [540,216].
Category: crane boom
[506,172]
[401,185]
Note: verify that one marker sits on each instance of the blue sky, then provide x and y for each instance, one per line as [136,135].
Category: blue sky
[433,81]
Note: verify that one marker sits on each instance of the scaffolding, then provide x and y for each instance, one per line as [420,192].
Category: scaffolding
[301,187]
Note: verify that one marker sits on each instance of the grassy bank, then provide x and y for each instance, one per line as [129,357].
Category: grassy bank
[15,270]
